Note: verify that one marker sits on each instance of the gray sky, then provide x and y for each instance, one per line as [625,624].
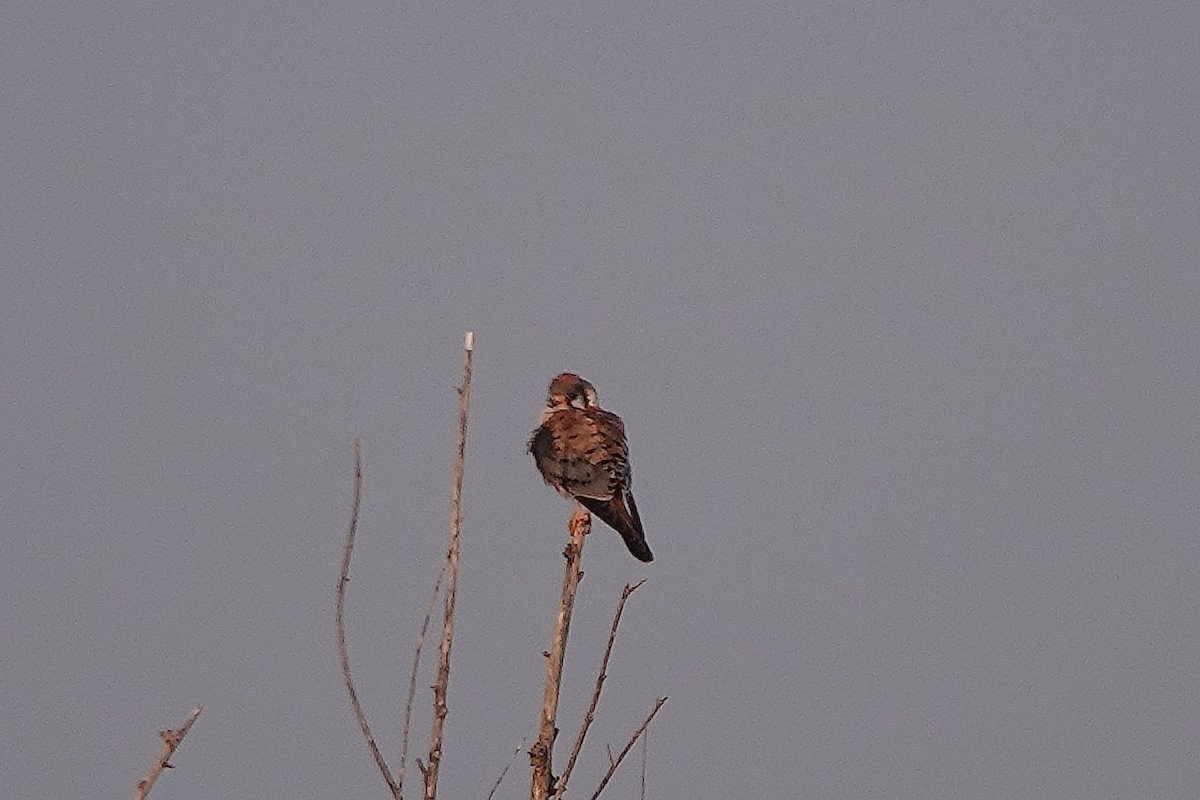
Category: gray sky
[898,301]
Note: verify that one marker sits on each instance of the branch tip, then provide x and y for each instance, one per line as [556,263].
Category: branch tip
[171,740]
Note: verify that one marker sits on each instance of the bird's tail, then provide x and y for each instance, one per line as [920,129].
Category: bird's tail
[620,513]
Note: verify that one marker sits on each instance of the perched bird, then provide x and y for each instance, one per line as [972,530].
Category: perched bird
[580,450]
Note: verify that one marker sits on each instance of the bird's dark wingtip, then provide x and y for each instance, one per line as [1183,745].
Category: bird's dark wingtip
[644,555]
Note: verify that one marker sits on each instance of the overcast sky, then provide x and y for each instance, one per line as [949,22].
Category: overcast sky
[899,302]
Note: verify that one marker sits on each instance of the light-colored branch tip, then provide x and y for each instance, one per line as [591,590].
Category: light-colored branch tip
[450,565]
[171,741]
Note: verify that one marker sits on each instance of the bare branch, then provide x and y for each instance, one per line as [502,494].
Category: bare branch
[171,741]
[590,715]
[412,675]
[443,677]
[629,746]
[504,771]
[340,621]
[542,783]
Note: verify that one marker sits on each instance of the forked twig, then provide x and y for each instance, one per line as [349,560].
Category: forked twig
[171,740]
[340,621]
[590,715]
[542,781]
[430,772]
[616,762]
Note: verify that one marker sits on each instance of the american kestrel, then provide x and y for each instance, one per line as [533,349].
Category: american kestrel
[580,450]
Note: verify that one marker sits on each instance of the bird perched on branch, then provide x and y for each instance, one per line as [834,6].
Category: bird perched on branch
[580,450]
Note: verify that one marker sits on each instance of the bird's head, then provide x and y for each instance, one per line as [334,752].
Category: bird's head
[570,390]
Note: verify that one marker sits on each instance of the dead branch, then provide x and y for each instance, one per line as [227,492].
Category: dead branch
[542,784]
[443,678]
[340,622]
[590,715]
[612,767]
[171,741]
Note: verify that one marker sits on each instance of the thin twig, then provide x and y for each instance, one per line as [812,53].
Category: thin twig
[504,771]
[340,621]
[590,715]
[412,675]
[645,749]
[629,745]
[443,677]
[171,740]
[542,782]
